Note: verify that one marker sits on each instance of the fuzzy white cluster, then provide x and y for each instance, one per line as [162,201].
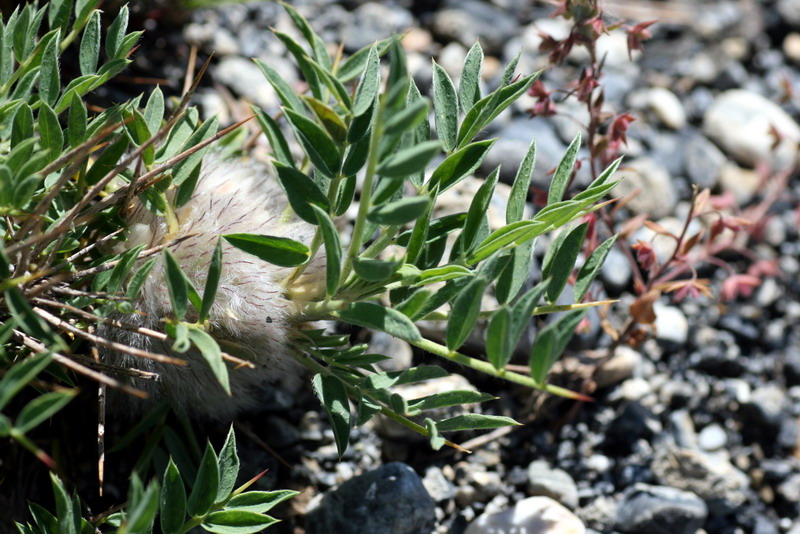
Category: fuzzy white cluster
[252,316]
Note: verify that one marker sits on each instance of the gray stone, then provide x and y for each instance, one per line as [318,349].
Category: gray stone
[398,350]
[660,510]
[766,409]
[741,121]
[710,476]
[513,143]
[656,195]
[616,270]
[555,483]
[387,500]
[790,10]
[247,80]
[534,515]
[373,21]
[470,20]
[790,488]
[438,487]
[703,160]
[599,514]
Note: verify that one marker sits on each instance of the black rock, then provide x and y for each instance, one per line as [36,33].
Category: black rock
[387,500]
[633,422]
[660,510]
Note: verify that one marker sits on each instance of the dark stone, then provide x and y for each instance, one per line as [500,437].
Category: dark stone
[387,500]
[660,510]
[634,422]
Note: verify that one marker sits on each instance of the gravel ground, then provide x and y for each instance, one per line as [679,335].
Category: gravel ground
[696,430]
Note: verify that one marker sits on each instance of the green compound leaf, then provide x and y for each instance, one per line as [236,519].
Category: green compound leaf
[446,399]
[280,251]
[375,270]
[477,211]
[259,501]
[212,354]
[550,343]
[204,490]
[333,250]
[445,106]
[277,141]
[474,421]
[303,192]
[563,172]
[592,267]
[333,396]
[173,500]
[465,312]
[407,119]
[410,160]
[285,92]
[50,134]
[371,315]
[399,212]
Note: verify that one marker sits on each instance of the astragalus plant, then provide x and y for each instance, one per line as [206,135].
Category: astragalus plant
[130,260]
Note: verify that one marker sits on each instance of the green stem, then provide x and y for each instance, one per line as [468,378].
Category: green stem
[366,197]
[383,241]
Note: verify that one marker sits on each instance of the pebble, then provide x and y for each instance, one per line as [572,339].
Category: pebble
[470,20]
[616,271]
[244,77]
[513,143]
[671,324]
[399,351]
[791,47]
[534,515]
[712,438]
[650,509]
[438,487]
[703,160]
[740,122]
[619,367]
[656,195]
[743,183]
[373,21]
[388,500]
[663,103]
[710,476]
[765,411]
[555,483]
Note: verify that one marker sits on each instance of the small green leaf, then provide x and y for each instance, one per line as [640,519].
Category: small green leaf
[469,90]
[116,33]
[154,110]
[228,463]
[237,522]
[106,161]
[68,521]
[516,273]
[445,106]
[176,285]
[519,189]
[474,421]
[22,127]
[369,84]
[356,157]
[361,125]
[139,278]
[182,170]
[142,513]
[465,311]
[302,60]
[333,250]
[277,141]
[302,192]
[50,134]
[477,210]
[591,267]
[212,354]
[284,90]
[317,144]
[415,112]
[204,490]
[371,315]
[173,500]
[414,303]
[276,250]
[460,164]
[354,65]
[498,338]
[442,274]
[333,396]
[399,212]
[375,270]
[332,123]
[212,282]
[19,374]
[76,122]
[49,78]
[259,502]
[419,234]
[564,260]
[409,161]
[564,171]
[446,399]
[41,408]
[550,343]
